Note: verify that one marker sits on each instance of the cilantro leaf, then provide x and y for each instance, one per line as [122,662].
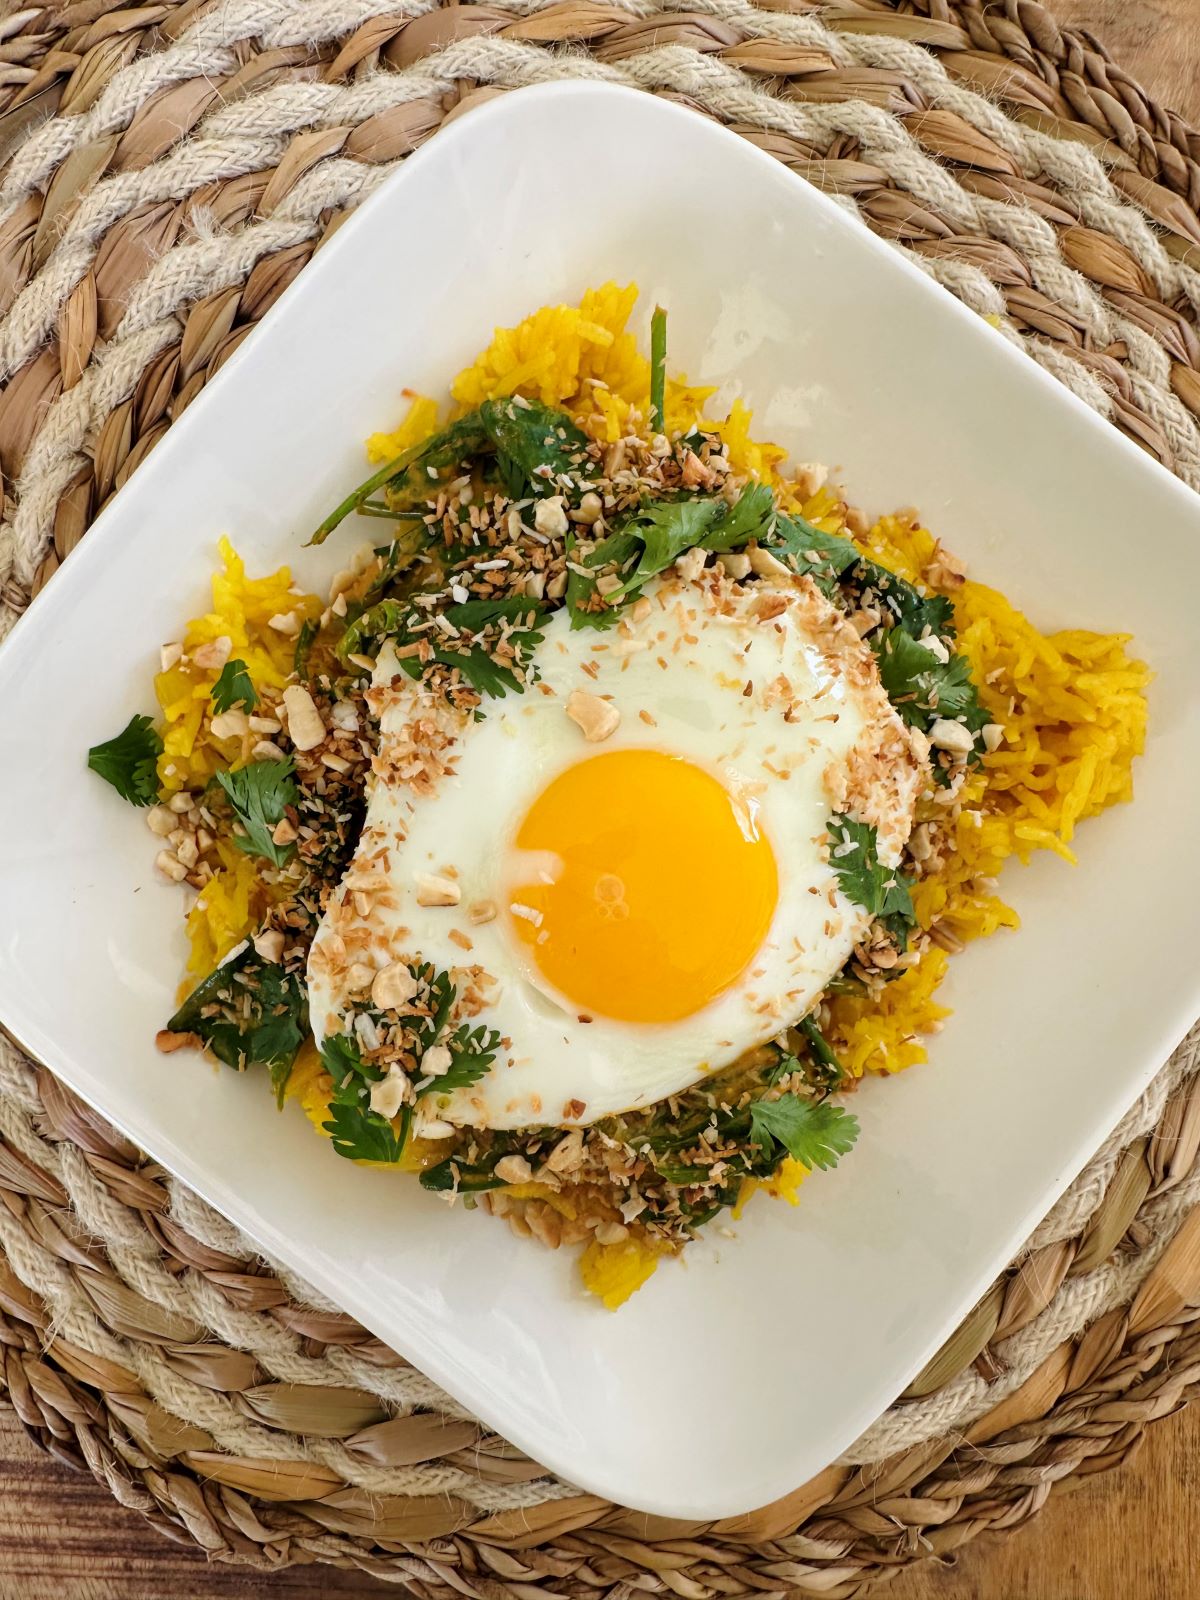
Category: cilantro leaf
[260,794]
[831,558]
[476,663]
[752,516]
[248,1012]
[923,688]
[913,611]
[613,551]
[825,556]
[658,533]
[233,687]
[666,528]
[815,1133]
[472,1052]
[360,1134]
[129,762]
[399,619]
[883,891]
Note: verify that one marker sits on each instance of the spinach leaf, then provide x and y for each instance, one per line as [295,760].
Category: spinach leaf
[248,1012]
[539,451]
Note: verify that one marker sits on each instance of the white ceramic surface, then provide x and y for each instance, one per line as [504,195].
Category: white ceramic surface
[732,1378]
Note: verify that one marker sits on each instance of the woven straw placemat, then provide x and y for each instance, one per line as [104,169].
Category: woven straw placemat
[172,168]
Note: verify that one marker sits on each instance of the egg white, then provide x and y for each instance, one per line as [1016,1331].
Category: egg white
[828,741]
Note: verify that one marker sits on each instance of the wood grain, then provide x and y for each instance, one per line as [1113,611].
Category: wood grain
[1125,1536]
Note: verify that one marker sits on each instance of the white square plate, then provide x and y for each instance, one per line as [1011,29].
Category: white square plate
[729,1380]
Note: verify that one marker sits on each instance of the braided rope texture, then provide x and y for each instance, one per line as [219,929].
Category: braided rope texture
[170,169]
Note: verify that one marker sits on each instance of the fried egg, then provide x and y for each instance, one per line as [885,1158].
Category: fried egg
[625,868]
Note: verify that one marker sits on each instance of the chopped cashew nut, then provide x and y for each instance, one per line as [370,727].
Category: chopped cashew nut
[766,565]
[170,866]
[305,727]
[596,718]
[393,987]
[160,820]
[213,655]
[436,1060]
[549,517]
[230,724]
[433,890]
[514,1169]
[269,945]
[387,1096]
[951,736]
[690,564]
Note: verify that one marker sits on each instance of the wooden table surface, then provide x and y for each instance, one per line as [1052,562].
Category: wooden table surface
[1131,1535]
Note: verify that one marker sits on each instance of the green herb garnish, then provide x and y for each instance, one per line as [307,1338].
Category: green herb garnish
[233,687]
[130,761]
[260,794]
[824,1059]
[814,1133]
[883,891]
[658,370]
[658,533]
[538,451]
[305,639]
[922,687]
[358,1133]
[472,1051]
[400,619]
[248,1012]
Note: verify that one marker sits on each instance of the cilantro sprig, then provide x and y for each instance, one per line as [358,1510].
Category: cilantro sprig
[472,1051]
[922,687]
[357,1132]
[815,1133]
[652,538]
[879,889]
[260,793]
[130,761]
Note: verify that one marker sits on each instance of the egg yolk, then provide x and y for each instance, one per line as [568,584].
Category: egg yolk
[647,889]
